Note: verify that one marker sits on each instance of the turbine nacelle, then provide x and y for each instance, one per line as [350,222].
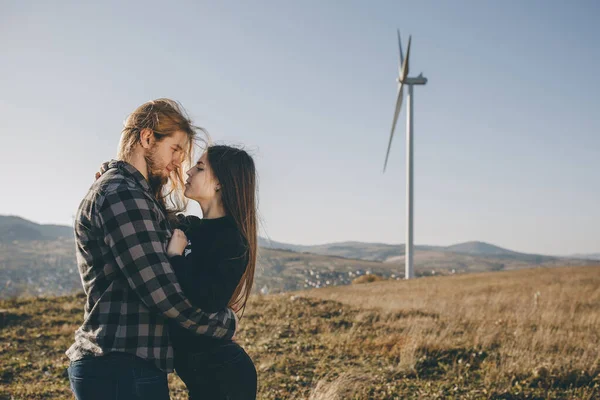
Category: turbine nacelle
[419,80]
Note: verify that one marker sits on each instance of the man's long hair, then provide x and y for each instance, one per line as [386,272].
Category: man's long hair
[164,117]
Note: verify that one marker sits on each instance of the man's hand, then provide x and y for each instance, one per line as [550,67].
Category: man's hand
[177,244]
[237,326]
[103,169]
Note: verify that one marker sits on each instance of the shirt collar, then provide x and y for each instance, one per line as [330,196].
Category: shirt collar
[130,170]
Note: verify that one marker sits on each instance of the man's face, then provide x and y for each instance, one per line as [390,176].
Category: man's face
[165,156]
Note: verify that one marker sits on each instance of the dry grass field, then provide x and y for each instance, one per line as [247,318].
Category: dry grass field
[527,334]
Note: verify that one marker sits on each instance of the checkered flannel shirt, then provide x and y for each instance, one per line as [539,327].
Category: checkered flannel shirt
[121,235]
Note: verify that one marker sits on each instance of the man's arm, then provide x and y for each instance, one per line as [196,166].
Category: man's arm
[134,238]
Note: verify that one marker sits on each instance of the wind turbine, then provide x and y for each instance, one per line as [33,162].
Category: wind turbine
[403,80]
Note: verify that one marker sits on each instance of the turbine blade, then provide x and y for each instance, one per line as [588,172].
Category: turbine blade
[396,113]
[404,72]
[401,54]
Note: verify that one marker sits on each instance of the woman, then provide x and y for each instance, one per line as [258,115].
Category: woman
[214,259]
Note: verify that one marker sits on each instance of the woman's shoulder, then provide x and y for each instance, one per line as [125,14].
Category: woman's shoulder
[232,235]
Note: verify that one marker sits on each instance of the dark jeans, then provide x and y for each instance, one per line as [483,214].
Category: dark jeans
[223,371]
[117,376]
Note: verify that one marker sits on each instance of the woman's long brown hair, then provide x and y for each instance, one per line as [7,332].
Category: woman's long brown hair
[235,171]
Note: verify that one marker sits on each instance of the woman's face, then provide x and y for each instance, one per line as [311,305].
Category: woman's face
[201,184]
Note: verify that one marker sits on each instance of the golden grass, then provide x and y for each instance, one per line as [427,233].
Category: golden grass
[368,278]
[509,335]
[539,322]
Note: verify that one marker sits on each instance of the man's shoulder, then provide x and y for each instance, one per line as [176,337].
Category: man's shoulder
[115,180]
[112,186]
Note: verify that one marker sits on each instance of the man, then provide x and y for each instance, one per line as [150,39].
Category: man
[122,349]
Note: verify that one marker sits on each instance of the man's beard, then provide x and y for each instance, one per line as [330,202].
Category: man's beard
[156,177]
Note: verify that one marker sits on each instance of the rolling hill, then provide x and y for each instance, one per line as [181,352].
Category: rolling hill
[42,261]
[17,228]
[591,256]
[392,253]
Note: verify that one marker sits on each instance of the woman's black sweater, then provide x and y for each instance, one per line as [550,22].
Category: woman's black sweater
[209,271]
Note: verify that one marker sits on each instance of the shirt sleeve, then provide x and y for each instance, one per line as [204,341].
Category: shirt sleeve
[135,239]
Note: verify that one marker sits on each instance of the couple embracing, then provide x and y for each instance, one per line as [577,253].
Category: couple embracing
[164,290]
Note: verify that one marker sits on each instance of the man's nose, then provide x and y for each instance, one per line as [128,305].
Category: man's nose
[177,161]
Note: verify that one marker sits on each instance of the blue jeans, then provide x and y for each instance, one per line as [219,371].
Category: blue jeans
[117,376]
[223,371]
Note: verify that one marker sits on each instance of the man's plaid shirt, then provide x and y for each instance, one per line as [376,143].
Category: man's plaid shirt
[121,235]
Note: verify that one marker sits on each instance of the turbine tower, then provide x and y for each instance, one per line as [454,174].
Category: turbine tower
[403,80]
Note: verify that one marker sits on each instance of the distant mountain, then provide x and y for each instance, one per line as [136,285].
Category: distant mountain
[44,267]
[40,259]
[480,248]
[489,250]
[355,250]
[272,244]
[392,253]
[17,228]
[591,256]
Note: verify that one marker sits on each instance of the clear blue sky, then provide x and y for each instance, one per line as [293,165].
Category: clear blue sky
[507,131]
